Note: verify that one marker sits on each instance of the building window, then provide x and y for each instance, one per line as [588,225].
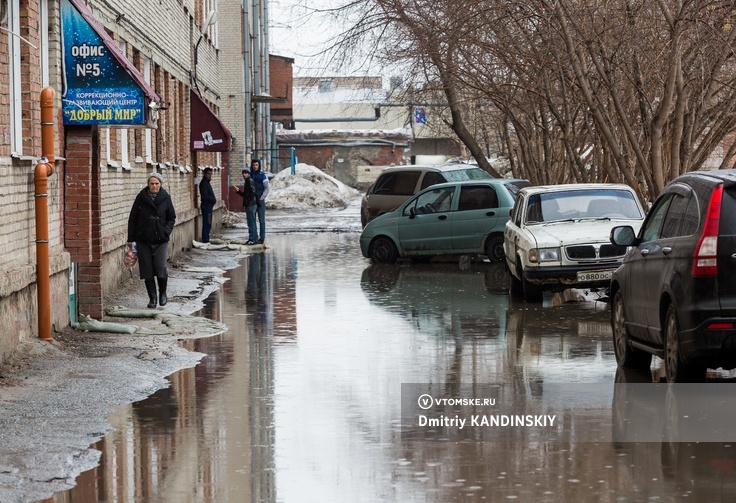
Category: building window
[16,111]
[211,32]
[44,37]
[148,149]
[123,132]
[325,86]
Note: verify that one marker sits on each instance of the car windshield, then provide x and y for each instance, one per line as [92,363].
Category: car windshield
[582,204]
[461,175]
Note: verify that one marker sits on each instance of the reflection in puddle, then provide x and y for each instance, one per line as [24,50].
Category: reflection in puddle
[299,401]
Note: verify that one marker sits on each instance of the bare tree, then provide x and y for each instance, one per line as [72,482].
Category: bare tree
[634,91]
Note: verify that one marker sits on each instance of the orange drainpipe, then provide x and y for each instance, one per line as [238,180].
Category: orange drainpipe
[43,170]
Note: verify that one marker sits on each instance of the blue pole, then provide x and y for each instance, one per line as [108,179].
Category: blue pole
[293,160]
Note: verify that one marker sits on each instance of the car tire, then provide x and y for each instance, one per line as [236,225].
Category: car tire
[383,251]
[494,249]
[626,355]
[516,287]
[675,369]
[530,291]
[363,219]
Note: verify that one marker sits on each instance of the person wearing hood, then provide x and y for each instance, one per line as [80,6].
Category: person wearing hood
[248,193]
[262,189]
[150,224]
[208,203]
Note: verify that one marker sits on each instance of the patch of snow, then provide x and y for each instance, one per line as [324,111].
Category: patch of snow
[309,187]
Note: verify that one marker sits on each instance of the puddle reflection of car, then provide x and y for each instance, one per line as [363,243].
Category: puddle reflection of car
[442,298]
[664,453]
[561,344]
[459,218]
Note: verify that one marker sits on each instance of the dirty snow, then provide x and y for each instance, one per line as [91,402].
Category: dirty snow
[308,188]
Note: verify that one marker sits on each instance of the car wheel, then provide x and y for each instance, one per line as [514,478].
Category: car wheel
[530,291]
[363,219]
[516,287]
[383,251]
[494,249]
[675,369]
[626,355]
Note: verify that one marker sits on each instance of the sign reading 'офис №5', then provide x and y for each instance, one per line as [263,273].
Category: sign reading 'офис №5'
[97,88]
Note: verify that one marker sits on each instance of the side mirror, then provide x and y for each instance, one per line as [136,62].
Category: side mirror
[412,212]
[623,235]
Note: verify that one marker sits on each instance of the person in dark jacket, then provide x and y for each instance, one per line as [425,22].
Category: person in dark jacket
[208,203]
[262,189]
[250,201]
[150,224]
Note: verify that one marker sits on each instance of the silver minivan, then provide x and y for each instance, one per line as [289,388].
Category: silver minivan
[398,183]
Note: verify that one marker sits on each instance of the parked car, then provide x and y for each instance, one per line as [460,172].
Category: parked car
[559,236]
[442,300]
[398,183]
[675,294]
[448,218]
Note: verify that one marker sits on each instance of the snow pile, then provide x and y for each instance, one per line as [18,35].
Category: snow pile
[309,187]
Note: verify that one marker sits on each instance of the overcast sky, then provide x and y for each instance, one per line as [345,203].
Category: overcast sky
[300,33]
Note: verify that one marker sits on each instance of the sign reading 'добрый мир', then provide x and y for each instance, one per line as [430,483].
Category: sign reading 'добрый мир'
[97,88]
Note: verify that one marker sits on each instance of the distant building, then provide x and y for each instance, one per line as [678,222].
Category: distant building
[336,106]
[344,103]
[282,89]
[352,156]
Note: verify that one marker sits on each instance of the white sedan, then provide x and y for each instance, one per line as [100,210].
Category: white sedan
[558,236]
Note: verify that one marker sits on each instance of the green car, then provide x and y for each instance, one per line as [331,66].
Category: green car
[457,218]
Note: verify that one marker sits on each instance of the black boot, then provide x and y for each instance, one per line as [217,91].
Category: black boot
[162,299]
[151,288]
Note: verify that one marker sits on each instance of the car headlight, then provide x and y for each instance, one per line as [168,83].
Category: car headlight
[544,255]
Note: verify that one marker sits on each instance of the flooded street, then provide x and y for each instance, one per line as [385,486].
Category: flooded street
[301,400]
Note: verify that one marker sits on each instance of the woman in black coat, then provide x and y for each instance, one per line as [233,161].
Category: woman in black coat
[150,224]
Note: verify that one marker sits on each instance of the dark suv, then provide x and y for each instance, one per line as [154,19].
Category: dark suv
[675,293]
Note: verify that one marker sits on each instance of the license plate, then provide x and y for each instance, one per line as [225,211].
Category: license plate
[595,275]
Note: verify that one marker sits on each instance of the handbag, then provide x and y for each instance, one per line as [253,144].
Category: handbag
[130,257]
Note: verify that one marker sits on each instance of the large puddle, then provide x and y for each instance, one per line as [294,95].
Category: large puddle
[301,400]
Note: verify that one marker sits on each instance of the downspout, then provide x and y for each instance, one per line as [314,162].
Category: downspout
[44,169]
[247,69]
[257,83]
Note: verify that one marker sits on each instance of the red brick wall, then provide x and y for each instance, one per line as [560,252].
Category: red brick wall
[282,85]
[82,208]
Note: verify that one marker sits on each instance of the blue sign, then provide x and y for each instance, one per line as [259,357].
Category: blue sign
[420,116]
[98,89]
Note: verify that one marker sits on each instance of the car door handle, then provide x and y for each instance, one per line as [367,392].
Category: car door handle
[442,217]
[645,251]
[491,214]
[667,250]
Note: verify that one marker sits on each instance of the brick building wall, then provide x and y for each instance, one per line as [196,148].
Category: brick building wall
[345,154]
[98,172]
[233,96]
[18,309]
[281,72]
